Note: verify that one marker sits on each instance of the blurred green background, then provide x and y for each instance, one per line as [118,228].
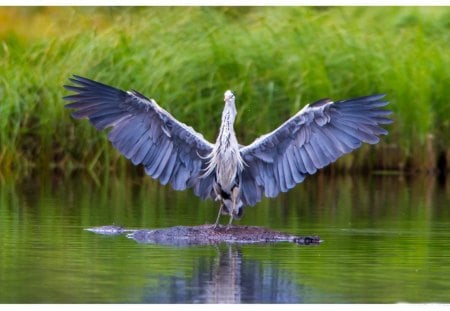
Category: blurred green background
[276,59]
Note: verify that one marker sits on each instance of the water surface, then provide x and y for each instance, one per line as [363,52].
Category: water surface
[386,239]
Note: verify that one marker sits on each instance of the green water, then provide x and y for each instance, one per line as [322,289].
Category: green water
[386,239]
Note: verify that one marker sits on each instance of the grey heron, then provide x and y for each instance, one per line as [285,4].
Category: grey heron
[235,175]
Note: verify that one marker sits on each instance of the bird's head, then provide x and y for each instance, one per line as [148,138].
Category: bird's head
[229,98]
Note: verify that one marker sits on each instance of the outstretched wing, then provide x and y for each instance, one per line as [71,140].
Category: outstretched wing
[144,133]
[313,138]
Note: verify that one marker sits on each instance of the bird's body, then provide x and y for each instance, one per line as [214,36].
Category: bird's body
[226,163]
[236,175]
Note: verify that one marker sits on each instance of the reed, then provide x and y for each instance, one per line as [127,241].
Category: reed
[275,59]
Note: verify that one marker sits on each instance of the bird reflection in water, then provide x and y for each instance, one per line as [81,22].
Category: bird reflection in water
[227,278]
[225,283]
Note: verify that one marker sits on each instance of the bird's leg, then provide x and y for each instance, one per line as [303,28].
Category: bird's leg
[218,216]
[232,210]
[234,195]
[231,219]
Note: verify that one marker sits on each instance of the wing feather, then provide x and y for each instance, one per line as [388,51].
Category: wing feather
[167,173]
[142,152]
[144,133]
[316,136]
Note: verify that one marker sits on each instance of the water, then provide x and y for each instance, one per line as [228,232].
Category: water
[386,239]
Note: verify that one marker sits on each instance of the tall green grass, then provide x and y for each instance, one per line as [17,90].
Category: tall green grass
[275,59]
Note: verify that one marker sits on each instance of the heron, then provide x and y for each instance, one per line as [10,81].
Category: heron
[235,175]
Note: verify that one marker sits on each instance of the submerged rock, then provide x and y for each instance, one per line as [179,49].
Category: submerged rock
[206,234]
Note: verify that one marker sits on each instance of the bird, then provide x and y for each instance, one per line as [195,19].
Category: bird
[235,175]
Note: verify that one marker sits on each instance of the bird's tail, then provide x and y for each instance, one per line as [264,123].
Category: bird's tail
[228,206]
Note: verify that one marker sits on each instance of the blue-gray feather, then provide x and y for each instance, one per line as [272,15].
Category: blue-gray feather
[315,137]
[144,133]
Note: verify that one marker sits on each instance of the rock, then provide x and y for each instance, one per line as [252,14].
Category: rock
[206,235]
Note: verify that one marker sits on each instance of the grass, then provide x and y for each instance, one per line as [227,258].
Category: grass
[275,59]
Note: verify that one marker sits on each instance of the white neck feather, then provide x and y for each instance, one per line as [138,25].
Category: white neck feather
[225,157]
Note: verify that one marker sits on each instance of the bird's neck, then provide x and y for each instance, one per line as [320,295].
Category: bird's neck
[225,158]
[226,133]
